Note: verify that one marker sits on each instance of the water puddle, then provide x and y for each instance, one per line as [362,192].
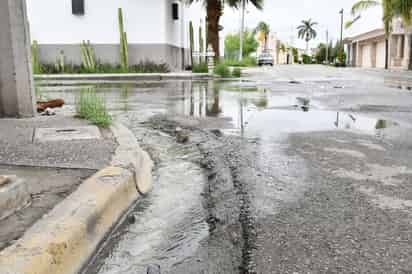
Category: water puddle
[251,110]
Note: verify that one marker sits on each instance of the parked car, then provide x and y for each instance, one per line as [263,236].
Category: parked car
[265,59]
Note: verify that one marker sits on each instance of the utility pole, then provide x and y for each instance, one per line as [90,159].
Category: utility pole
[242,26]
[327,46]
[341,29]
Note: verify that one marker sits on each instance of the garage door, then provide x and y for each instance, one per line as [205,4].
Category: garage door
[366,56]
[380,55]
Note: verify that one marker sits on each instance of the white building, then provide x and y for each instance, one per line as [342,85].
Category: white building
[157,30]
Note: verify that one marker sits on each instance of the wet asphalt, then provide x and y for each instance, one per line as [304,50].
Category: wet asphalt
[266,183]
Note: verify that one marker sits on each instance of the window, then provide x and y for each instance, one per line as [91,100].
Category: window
[78,7]
[175,11]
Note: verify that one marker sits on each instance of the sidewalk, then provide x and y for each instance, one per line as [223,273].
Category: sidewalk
[57,79]
[52,170]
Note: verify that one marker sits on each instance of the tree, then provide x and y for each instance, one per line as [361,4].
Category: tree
[263,29]
[306,31]
[232,44]
[214,10]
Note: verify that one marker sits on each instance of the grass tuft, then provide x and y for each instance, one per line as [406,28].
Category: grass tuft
[92,107]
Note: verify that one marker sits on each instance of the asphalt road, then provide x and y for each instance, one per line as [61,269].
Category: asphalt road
[320,188]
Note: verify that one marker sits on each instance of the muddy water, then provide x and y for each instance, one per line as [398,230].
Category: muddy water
[169,228]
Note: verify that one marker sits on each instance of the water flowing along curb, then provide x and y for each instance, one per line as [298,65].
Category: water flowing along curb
[63,240]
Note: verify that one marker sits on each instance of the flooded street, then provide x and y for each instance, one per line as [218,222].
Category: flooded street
[289,170]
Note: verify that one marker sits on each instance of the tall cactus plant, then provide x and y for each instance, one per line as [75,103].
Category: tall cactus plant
[124,52]
[88,57]
[192,40]
[35,57]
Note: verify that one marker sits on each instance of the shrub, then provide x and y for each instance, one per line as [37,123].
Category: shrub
[246,62]
[200,68]
[222,70]
[237,72]
[306,59]
[92,107]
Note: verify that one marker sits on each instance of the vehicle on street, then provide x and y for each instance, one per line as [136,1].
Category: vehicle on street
[265,59]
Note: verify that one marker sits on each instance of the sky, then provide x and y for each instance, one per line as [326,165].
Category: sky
[284,16]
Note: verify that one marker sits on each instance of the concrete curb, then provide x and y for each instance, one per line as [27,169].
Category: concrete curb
[130,156]
[45,78]
[63,240]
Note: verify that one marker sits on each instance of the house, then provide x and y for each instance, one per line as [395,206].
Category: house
[281,52]
[157,30]
[368,50]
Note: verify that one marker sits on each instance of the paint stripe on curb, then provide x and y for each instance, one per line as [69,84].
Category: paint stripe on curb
[64,240]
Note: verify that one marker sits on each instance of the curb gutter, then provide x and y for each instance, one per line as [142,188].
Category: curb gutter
[63,240]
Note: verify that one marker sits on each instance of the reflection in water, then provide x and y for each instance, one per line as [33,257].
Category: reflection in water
[251,110]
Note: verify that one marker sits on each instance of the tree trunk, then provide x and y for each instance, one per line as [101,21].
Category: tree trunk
[386,53]
[410,52]
[214,12]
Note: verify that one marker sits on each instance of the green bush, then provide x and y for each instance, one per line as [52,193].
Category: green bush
[237,73]
[222,70]
[306,59]
[200,68]
[92,107]
[143,67]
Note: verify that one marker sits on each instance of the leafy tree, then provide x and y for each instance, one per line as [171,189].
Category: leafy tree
[264,29]
[232,44]
[214,10]
[307,31]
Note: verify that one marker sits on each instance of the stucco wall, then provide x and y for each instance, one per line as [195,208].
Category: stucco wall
[380,55]
[152,32]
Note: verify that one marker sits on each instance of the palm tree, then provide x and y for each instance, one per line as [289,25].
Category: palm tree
[264,29]
[306,31]
[390,9]
[214,10]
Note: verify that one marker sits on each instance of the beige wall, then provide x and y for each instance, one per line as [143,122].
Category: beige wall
[366,55]
[380,55]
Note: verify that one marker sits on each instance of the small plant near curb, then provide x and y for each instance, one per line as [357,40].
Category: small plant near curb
[200,68]
[92,107]
[237,73]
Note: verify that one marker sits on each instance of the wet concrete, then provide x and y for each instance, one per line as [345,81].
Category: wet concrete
[291,170]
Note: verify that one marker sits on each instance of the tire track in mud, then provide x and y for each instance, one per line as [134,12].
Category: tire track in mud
[227,197]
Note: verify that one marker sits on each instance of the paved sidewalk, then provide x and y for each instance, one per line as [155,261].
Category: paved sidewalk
[51,169]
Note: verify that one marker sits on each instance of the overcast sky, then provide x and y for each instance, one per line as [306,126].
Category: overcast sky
[284,16]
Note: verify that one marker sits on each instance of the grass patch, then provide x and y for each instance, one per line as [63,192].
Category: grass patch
[200,68]
[92,107]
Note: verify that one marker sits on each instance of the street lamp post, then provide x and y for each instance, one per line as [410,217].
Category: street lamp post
[242,26]
[341,32]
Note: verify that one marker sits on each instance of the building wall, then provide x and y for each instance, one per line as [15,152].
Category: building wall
[152,33]
[366,56]
[380,54]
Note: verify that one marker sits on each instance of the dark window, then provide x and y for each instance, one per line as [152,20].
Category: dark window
[175,10]
[78,7]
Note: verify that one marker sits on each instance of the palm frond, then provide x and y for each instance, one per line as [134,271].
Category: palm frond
[363,5]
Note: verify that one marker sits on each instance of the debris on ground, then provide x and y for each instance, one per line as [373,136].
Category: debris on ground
[43,105]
